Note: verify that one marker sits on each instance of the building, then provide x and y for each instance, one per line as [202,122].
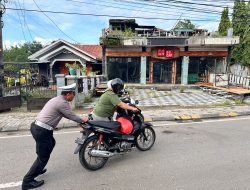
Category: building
[148,55]
[52,59]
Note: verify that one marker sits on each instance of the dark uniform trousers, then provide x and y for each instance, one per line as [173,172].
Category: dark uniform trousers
[45,143]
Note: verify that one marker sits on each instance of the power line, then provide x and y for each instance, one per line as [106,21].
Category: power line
[44,12]
[112,16]
[167,5]
[24,20]
[128,3]
[192,3]
[103,5]
[103,15]
[21,24]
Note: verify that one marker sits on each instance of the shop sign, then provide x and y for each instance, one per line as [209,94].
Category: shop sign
[169,53]
[161,52]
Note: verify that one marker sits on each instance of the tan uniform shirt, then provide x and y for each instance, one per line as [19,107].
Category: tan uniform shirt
[55,109]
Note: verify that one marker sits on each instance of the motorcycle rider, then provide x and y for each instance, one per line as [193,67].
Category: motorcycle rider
[105,107]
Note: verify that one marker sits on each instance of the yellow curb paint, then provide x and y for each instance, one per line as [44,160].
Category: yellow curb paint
[223,115]
[177,118]
[185,117]
[233,114]
[196,116]
[148,119]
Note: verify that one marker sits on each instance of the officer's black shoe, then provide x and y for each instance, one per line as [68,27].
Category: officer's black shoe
[32,184]
[42,172]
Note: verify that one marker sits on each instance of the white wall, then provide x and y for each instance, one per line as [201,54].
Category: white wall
[239,70]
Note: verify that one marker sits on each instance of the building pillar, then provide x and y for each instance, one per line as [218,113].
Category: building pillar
[98,79]
[184,73]
[143,70]
[60,81]
[70,80]
[92,82]
[174,72]
[85,84]
[51,74]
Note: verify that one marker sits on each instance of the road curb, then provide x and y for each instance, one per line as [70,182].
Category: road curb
[24,126]
[197,116]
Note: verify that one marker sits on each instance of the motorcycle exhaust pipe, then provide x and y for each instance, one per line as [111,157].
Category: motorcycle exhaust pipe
[101,153]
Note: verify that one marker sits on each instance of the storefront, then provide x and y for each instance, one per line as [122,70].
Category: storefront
[166,64]
[125,68]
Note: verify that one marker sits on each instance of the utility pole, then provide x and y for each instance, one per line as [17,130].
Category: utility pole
[2,10]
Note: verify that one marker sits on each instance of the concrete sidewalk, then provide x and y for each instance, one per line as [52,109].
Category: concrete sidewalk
[20,119]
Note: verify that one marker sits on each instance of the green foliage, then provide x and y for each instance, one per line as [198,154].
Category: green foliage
[19,54]
[186,24]
[112,41]
[130,91]
[239,18]
[225,23]
[88,99]
[128,32]
[225,103]
[240,23]
[182,89]
[239,101]
[25,95]
[73,66]
[168,94]
[246,41]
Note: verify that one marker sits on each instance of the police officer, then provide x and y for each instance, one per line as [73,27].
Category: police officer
[42,131]
[105,107]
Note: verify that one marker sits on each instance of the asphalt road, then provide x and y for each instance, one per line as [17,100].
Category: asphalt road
[211,154]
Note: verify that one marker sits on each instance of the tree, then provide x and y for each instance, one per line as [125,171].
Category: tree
[186,24]
[225,23]
[19,54]
[239,18]
[239,23]
[22,52]
[246,40]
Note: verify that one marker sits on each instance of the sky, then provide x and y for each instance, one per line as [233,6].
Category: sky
[80,21]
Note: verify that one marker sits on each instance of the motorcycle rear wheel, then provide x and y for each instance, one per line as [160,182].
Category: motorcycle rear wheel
[146,139]
[90,162]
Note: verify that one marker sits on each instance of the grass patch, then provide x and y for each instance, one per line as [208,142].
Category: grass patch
[130,91]
[168,94]
[239,101]
[182,89]
[225,103]
[150,91]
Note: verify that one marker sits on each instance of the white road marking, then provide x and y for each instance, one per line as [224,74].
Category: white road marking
[209,121]
[55,133]
[11,184]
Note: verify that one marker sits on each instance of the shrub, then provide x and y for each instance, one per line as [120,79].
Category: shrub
[239,101]
[182,89]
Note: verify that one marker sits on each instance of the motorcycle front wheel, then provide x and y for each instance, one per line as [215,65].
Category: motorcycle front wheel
[145,139]
[86,159]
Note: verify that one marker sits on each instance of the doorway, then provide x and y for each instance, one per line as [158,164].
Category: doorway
[162,72]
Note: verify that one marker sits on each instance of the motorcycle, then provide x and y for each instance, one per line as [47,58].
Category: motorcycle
[103,139]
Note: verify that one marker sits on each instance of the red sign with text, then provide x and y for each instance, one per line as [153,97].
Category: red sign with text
[161,52]
[169,53]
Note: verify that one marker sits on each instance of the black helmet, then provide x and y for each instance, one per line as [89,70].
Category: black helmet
[117,85]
